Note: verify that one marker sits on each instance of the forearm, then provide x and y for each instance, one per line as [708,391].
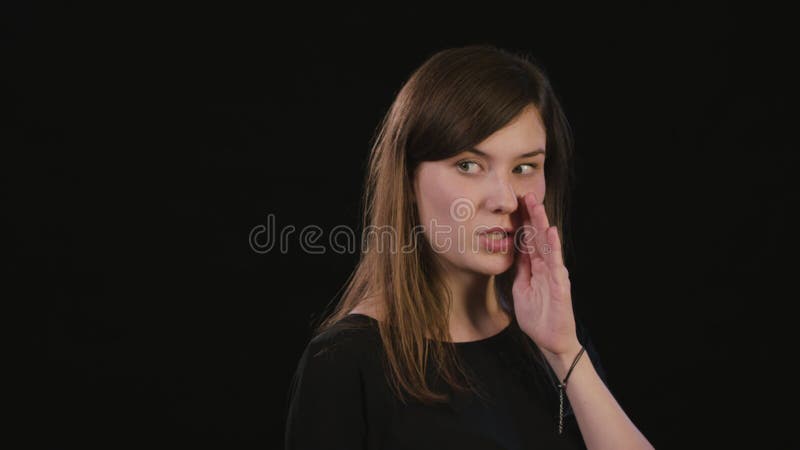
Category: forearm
[602,422]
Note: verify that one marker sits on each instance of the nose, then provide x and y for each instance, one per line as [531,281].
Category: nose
[503,199]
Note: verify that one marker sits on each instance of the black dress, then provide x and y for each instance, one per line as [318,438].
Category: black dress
[339,398]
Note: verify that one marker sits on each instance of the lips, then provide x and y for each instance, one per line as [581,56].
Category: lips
[496,243]
[506,230]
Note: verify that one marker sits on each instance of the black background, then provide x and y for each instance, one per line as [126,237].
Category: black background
[141,146]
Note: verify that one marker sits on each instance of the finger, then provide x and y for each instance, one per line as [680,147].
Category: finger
[541,210]
[555,256]
[523,270]
[524,234]
[549,241]
[539,222]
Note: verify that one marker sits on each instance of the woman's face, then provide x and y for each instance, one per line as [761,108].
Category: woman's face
[461,197]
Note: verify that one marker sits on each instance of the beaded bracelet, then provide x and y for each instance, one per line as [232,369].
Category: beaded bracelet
[561,388]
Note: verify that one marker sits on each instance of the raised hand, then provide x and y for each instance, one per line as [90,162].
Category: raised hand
[541,289]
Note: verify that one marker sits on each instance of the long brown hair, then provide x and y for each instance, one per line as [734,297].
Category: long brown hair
[457,98]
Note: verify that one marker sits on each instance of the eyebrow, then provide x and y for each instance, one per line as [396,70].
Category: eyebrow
[524,155]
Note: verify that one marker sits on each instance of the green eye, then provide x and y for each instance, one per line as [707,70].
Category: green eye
[532,167]
[463,166]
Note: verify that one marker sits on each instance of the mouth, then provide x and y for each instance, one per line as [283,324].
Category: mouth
[497,232]
[496,239]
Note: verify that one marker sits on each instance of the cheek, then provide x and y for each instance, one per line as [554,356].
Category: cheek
[446,221]
[445,208]
[541,187]
[444,204]
[537,186]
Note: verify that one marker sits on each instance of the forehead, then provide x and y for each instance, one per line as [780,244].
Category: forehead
[524,134]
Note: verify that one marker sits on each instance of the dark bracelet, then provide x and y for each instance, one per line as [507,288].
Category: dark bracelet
[561,387]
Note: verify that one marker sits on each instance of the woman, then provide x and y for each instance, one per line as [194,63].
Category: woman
[456,330]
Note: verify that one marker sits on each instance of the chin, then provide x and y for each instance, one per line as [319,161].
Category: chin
[493,263]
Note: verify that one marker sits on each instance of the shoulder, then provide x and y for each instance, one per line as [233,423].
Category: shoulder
[343,344]
[331,367]
[371,306]
[325,398]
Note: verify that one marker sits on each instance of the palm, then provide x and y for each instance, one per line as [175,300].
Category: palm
[541,289]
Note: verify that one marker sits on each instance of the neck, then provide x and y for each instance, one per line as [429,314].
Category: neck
[476,312]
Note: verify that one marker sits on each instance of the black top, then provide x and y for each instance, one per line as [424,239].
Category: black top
[340,398]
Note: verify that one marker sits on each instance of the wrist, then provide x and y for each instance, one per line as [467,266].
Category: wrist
[562,361]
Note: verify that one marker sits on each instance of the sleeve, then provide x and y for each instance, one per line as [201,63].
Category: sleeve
[325,400]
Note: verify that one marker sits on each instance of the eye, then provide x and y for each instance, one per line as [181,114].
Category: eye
[531,166]
[463,166]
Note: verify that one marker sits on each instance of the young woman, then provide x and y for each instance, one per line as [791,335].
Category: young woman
[456,329]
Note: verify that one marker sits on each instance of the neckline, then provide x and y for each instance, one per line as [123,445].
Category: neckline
[485,340]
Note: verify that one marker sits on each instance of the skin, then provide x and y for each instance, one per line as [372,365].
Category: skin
[461,196]
[503,195]
[498,192]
